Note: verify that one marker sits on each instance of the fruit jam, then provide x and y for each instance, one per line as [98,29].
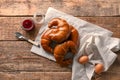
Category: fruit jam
[28,25]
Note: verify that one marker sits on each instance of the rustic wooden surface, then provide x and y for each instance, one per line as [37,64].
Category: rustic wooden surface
[16,60]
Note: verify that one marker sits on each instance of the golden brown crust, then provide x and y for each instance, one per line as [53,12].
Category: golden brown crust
[45,41]
[71,44]
[61,50]
[66,37]
[74,36]
[62,30]
[58,34]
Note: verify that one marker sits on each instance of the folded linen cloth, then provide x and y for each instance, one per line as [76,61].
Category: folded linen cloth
[91,34]
[99,50]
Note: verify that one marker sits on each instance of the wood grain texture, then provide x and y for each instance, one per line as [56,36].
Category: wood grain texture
[16,60]
[36,76]
[16,56]
[22,76]
[73,7]
[51,76]
[107,76]
[10,25]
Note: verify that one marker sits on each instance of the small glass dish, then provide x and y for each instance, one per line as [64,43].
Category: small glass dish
[28,24]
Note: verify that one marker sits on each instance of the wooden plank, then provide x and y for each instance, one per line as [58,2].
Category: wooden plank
[73,7]
[116,65]
[51,76]
[114,76]
[110,23]
[10,25]
[36,76]
[58,75]
[28,65]
[22,76]
[107,76]
[16,56]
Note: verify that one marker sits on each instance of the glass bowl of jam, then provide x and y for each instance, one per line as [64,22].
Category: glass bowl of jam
[28,25]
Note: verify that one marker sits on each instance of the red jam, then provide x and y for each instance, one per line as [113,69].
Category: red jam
[28,24]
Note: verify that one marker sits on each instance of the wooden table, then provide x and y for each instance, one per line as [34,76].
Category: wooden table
[16,60]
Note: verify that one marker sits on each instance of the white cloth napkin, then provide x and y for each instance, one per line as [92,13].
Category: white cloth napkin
[99,49]
[91,36]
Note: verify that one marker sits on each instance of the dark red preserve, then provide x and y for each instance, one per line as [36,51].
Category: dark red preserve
[28,24]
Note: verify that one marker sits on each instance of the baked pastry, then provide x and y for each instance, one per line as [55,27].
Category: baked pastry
[61,50]
[65,37]
[56,34]
[46,41]
[70,45]
[61,29]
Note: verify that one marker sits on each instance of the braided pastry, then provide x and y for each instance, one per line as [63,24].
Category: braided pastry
[66,39]
[71,44]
